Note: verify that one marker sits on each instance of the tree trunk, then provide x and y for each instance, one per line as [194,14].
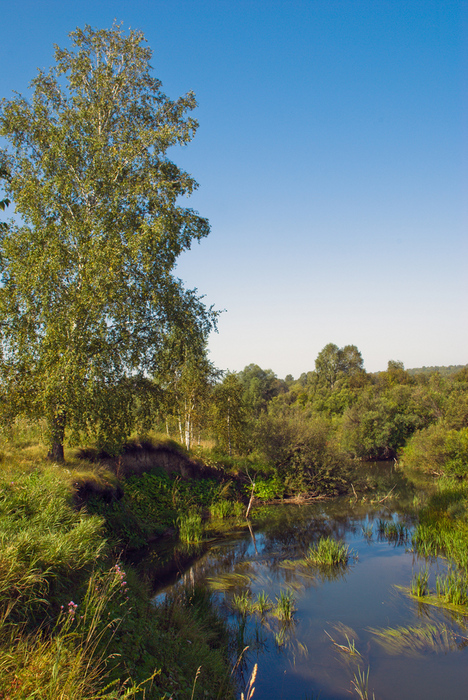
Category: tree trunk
[56,436]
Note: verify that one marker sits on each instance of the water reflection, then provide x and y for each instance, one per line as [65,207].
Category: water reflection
[348,625]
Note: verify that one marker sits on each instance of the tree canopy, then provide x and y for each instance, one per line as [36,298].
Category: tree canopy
[88,294]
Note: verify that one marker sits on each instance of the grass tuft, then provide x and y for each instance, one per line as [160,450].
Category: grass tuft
[328,552]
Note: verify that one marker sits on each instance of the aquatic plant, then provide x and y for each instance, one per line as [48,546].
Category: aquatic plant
[190,527]
[242,603]
[419,584]
[285,606]
[360,684]
[452,587]
[413,640]
[328,552]
[348,648]
[263,603]
[226,582]
[393,532]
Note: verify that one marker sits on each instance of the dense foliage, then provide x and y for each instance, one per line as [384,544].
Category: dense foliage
[88,298]
[307,430]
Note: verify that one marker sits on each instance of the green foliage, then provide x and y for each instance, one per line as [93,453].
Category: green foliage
[269,488]
[456,446]
[88,297]
[438,449]
[383,418]
[151,503]
[76,625]
[302,453]
[426,450]
[260,387]
[186,383]
[333,361]
[3,202]
[229,414]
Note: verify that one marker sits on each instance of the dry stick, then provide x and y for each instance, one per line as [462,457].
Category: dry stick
[251,499]
[354,491]
[388,494]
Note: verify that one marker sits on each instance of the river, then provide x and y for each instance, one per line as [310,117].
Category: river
[355,631]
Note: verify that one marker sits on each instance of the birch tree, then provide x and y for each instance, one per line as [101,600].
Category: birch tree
[88,295]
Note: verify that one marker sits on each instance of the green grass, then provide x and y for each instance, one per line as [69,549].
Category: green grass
[242,603]
[452,588]
[263,604]
[420,584]
[328,552]
[190,528]
[226,509]
[75,623]
[285,606]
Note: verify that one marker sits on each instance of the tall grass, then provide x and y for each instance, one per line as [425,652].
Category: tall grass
[420,584]
[452,588]
[73,626]
[71,660]
[190,527]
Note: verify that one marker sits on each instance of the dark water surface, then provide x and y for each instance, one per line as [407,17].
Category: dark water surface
[331,640]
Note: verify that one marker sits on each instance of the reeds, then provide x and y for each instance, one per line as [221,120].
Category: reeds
[285,606]
[190,528]
[328,552]
[452,588]
[397,533]
[420,584]
[226,509]
[360,684]
[263,603]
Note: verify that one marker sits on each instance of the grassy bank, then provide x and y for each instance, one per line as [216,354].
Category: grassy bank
[75,622]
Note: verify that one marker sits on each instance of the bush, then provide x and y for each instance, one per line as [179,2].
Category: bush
[302,453]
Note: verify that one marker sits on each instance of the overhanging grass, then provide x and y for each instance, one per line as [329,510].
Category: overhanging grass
[52,554]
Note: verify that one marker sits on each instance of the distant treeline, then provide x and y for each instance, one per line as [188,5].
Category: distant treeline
[443,371]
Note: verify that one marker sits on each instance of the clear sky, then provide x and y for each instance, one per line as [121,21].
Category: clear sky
[332,159]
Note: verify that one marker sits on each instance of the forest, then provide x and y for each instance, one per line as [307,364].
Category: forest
[306,431]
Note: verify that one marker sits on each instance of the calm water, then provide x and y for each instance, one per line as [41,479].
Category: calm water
[302,659]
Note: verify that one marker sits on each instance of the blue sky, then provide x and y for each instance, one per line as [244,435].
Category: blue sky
[332,161]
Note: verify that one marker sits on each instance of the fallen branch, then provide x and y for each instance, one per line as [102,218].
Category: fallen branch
[388,494]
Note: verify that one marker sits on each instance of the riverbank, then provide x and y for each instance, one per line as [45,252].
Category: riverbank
[75,620]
